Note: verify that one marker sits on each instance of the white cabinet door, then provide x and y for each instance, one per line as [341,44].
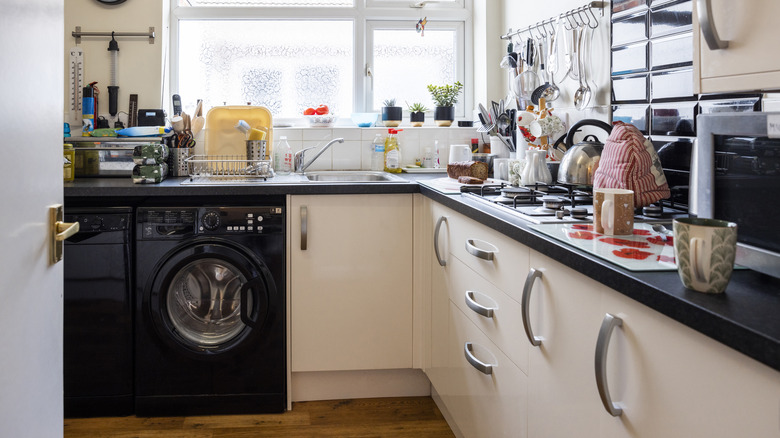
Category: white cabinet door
[751,61]
[565,314]
[672,381]
[351,282]
[483,405]
[441,264]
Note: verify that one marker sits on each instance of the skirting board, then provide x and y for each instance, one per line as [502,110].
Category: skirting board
[332,385]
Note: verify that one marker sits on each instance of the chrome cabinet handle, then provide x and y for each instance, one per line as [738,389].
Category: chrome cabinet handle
[441,220]
[602,345]
[533,274]
[487,312]
[482,367]
[478,253]
[708,30]
[304,227]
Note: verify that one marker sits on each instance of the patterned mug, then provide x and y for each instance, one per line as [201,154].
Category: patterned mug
[705,250]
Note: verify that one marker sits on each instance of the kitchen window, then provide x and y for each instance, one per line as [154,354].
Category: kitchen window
[288,55]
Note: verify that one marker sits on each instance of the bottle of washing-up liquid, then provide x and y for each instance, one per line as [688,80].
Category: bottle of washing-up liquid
[392,151]
[283,157]
[378,153]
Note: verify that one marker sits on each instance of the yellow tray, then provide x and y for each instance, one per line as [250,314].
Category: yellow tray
[222,137]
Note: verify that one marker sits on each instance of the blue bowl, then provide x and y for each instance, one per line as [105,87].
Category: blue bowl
[364,120]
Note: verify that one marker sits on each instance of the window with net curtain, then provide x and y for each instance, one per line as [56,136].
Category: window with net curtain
[288,65]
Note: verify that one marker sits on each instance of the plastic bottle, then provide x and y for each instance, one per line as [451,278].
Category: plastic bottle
[283,157]
[436,163]
[143,131]
[392,152]
[428,158]
[378,153]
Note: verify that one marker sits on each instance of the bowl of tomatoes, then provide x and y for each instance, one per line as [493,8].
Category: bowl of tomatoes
[319,117]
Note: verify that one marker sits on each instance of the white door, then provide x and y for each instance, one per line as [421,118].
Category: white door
[31,86]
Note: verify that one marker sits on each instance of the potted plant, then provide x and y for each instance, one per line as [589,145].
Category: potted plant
[445,97]
[391,114]
[416,113]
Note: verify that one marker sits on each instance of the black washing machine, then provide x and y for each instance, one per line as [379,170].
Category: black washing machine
[210,310]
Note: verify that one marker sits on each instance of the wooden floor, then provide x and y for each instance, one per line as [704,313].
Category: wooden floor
[376,417]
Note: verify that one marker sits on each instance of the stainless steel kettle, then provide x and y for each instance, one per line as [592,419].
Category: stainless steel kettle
[580,161]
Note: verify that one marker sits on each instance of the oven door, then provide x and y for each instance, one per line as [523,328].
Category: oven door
[736,170]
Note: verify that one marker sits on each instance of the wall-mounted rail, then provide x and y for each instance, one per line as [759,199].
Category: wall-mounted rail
[78,34]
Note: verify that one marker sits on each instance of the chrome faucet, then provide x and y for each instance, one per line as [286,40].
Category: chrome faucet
[299,160]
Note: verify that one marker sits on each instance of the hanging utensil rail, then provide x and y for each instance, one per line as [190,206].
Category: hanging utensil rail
[579,17]
[78,34]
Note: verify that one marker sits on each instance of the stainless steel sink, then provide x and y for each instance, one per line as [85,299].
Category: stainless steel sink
[358,176]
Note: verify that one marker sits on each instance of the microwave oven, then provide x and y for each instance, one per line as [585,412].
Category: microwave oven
[735,176]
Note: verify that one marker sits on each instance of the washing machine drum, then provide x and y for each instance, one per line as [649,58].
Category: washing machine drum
[204,302]
[209,298]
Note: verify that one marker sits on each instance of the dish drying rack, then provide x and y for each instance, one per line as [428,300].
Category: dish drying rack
[226,169]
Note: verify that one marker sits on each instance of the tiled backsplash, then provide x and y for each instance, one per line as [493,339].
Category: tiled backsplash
[355,152]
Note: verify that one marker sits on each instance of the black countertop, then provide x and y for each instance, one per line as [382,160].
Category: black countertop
[746,317]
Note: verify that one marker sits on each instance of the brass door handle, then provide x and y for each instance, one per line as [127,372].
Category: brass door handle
[59,231]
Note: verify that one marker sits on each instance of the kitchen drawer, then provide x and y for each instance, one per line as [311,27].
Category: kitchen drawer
[494,256]
[504,326]
[483,405]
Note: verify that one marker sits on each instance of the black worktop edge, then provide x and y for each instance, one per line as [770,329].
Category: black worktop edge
[746,318]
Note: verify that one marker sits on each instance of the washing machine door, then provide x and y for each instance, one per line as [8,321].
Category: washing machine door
[209,298]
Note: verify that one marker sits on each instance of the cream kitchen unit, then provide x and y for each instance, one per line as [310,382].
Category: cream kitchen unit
[351,282]
[735,46]
[539,335]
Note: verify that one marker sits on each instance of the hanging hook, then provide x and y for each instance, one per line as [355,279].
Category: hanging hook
[595,19]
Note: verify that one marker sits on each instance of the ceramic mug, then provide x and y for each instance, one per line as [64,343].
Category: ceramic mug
[613,211]
[705,250]
[459,152]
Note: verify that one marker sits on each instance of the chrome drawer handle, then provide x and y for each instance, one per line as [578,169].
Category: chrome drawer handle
[533,274]
[482,367]
[304,227]
[442,219]
[478,253]
[707,26]
[487,312]
[602,345]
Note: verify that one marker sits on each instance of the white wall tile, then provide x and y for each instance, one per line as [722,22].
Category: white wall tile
[347,155]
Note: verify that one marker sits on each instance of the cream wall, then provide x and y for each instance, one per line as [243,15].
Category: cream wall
[519,14]
[140,64]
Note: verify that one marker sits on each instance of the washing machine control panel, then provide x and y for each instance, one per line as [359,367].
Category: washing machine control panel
[176,223]
[241,220]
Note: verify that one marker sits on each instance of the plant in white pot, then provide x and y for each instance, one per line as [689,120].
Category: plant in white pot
[391,114]
[445,97]
[416,113]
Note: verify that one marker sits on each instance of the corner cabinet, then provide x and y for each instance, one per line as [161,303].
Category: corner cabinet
[750,62]
[569,356]
[351,282]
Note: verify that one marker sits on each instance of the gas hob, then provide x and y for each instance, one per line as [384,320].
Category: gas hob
[544,204]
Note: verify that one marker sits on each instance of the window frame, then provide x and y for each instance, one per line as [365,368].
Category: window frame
[365,16]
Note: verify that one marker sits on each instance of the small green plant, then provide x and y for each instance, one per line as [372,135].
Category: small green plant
[416,107]
[445,95]
[389,102]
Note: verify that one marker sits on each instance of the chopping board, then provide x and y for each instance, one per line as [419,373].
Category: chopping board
[451,186]
[222,137]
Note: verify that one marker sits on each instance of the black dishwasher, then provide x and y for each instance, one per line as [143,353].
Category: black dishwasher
[98,318]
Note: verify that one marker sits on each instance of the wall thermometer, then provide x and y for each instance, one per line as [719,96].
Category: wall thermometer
[76,81]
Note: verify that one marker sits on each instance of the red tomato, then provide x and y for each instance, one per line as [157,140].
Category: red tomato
[322,110]
[309,112]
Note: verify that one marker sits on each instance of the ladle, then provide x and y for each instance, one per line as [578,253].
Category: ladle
[583,93]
